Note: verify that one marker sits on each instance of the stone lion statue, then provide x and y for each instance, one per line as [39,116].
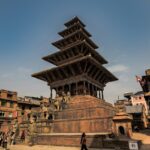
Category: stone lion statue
[57,101]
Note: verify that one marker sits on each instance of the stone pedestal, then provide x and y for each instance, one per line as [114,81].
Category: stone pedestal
[71,139]
[82,114]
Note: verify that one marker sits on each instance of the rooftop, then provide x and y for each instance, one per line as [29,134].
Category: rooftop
[139,93]
[73,21]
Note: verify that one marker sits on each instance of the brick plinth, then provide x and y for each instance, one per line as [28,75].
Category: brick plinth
[69,140]
[84,114]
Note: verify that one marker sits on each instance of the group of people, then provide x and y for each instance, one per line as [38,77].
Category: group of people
[7,138]
[3,139]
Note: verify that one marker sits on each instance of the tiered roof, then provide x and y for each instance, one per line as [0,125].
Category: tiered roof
[75,51]
[77,59]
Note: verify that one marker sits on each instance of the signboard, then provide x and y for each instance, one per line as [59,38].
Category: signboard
[133,145]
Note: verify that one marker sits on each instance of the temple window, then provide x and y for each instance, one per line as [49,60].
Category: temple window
[9,96]
[23,108]
[10,115]
[3,103]
[44,114]
[2,114]
[11,104]
[22,113]
[28,116]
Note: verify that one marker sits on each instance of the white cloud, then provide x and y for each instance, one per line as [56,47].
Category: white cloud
[23,70]
[118,68]
[20,70]
[116,89]
[126,83]
[7,75]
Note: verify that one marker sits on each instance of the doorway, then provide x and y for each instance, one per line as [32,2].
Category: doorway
[121,130]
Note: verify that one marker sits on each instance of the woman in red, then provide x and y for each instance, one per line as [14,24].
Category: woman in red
[83,142]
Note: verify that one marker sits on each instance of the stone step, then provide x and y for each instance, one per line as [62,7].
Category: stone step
[79,111]
[45,147]
[83,113]
[74,134]
[69,140]
[86,101]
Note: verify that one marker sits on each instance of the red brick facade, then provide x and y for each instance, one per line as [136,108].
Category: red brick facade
[83,114]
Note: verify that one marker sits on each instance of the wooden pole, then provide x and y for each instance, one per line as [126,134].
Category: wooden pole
[84,88]
[51,93]
[99,94]
[76,88]
[102,95]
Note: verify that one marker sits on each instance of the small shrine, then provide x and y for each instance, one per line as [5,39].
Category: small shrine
[122,125]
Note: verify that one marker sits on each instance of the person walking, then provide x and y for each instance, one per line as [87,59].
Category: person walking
[12,138]
[83,142]
[23,136]
[5,141]
[1,138]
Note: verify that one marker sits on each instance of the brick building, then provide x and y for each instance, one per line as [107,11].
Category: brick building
[25,105]
[139,116]
[13,107]
[136,106]
[8,107]
[120,105]
[139,99]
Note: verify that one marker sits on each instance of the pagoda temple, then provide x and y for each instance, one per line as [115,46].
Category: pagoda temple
[78,78]
[79,67]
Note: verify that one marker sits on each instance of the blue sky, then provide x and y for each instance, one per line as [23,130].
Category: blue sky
[121,28]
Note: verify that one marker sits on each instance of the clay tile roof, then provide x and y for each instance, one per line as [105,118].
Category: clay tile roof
[122,116]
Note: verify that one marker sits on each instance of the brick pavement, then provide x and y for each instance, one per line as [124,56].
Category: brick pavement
[44,147]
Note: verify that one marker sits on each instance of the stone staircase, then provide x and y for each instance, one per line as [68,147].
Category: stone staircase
[84,113]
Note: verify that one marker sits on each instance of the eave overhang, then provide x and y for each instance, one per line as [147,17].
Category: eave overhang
[69,53]
[79,35]
[73,21]
[85,65]
[72,29]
